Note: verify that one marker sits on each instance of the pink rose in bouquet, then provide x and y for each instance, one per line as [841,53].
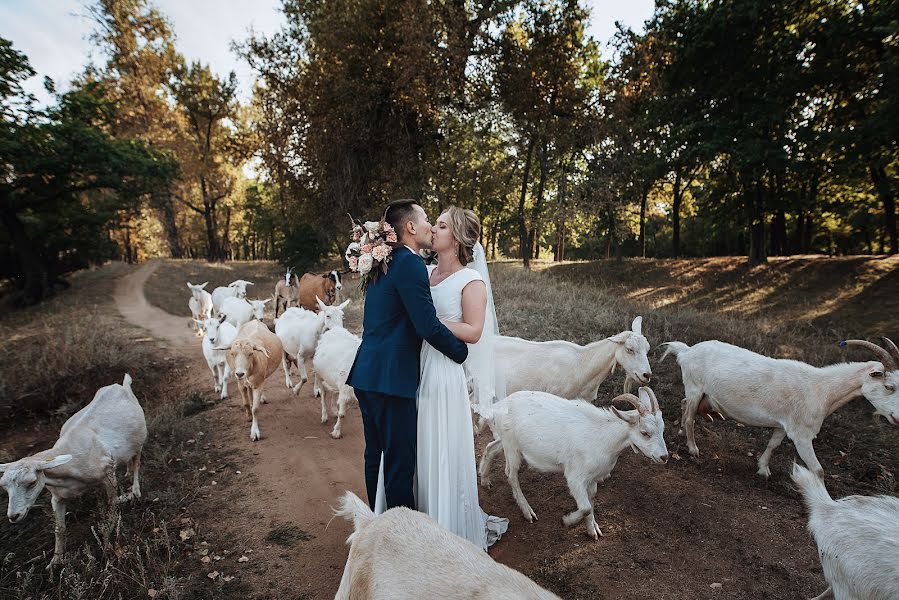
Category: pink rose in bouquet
[380,252]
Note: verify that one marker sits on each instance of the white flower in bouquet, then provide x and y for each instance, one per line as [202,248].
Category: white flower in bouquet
[365,263]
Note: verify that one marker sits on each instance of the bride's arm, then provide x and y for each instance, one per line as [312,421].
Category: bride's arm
[474,307]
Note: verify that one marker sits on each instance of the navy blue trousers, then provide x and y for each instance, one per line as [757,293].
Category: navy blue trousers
[390,425]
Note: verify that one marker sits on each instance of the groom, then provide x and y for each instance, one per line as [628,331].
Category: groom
[399,313]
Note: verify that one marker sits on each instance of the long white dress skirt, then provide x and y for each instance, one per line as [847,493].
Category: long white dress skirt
[446,480]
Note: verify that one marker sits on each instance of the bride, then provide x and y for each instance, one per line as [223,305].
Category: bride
[446,486]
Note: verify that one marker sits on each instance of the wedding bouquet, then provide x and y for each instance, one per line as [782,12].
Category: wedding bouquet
[371,249]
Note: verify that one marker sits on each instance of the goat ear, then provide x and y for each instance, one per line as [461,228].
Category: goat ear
[55,462]
[222,317]
[343,304]
[620,338]
[637,326]
[629,418]
[876,373]
[321,305]
[261,349]
[5,466]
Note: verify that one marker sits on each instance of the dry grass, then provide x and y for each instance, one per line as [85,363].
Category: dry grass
[56,352]
[57,355]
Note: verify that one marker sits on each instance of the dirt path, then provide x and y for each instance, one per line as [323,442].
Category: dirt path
[276,511]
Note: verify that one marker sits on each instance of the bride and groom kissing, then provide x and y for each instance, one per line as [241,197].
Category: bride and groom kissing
[426,331]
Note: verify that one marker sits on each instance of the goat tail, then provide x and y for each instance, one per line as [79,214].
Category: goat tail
[811,486]
[674,348]
[352,508]
[126,383]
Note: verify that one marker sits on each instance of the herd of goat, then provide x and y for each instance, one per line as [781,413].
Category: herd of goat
[548,421]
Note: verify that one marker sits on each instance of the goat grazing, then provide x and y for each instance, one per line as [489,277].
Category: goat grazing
[579,439]
[565,369]
[403,553]
[790,396]
[857,539]
[332,362]
[108,432]
[235,289]
[253,355]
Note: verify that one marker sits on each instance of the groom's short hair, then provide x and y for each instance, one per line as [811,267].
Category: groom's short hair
[398,213]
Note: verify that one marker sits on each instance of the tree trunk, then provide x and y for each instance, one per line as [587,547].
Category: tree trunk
[167,216]
[881,182]
[37,276]
[757,253]
[534,234]
[522,222]
[779,233]
[644,195]
[675,214]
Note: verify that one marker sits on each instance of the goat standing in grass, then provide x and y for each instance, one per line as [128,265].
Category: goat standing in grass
[857,539]
[790,396]
[108,432]
[535,366]
[582,441]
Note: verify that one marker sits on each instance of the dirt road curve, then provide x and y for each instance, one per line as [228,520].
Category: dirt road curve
[288,480]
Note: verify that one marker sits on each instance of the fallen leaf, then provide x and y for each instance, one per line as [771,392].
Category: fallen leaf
[243,559]
[204,551]
[212,575]
[186,534]
[191,441]
[216,557]
[675,456]
[715,586]
[205,560]
[228,578]
[152,593]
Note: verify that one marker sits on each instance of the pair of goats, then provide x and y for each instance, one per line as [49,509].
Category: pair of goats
[305,291]
[320,337]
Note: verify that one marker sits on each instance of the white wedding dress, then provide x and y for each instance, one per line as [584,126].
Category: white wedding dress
[446,483]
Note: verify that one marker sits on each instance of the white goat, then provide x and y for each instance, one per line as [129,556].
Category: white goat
[218,333]
[106,433]
[238,311]
[790,396]
[332,362]
[299,330]
[565,369]
[857,538]
[403,553]
[203,298]
[573,437]
[235,289]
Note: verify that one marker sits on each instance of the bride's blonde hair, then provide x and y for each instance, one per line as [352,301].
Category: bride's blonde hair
[466,229]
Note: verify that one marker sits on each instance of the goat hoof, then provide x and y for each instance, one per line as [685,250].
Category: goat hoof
[764,472]
[336,435]
[693,451]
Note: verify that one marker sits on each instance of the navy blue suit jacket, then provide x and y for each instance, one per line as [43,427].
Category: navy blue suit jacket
[399,314]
